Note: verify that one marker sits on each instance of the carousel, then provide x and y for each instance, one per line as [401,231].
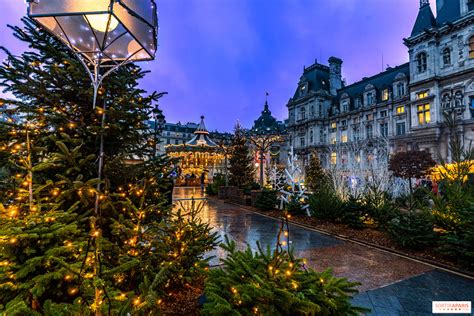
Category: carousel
[199,157]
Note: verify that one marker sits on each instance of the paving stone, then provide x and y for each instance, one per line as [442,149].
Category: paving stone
[391,285]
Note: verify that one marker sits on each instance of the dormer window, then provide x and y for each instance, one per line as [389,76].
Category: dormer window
[385,95]
[421,64]
[447,56]
[400,89]
[370,98]
[345,106]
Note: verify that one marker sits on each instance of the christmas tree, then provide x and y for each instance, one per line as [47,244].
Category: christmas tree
[58,255]
[315,177]
[241,166]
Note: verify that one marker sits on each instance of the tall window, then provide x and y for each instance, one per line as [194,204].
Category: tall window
[321,136]
[311,136]
[333,125]
[471,47]
[355,133]
[401,128]
[384,129]
[369,131]
[424,115]
[302,142]
[333,138]
[385,95]
[333,158]
[400,109]
[344,136]
[302,113]
[447,56]
[421,62]
[400,89]
[311,111]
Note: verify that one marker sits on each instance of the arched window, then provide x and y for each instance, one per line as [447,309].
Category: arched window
[421,62]
[471,47]
[447,56]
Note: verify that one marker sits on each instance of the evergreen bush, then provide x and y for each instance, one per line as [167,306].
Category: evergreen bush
[413,229]
[266,200]
[459,241]
[326,205]
[354,213]
[274,283]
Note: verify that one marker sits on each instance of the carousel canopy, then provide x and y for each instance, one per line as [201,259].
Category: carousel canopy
[201,137]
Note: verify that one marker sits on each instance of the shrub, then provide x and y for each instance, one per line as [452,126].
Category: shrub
[413,229]
[266,200]
[218,181]
[325,204]
[250,187]
[274,283]
[459,242]
[354,213]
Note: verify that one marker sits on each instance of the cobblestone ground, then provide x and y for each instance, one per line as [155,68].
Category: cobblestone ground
[391,285]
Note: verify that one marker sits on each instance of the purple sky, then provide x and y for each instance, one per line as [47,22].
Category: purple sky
[219,57]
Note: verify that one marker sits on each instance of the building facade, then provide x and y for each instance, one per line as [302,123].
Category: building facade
[406,106]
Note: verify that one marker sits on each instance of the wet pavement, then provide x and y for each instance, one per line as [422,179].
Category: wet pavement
[391,285]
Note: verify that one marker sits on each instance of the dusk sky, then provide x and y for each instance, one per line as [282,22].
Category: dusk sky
[218,57]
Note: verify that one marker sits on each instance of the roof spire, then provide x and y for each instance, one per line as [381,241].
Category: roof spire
[266,103]
[424,2]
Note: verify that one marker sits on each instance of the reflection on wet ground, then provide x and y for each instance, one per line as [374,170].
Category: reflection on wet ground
[398,280]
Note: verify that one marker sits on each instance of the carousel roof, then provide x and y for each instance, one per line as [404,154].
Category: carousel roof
[201,141]
[201,136]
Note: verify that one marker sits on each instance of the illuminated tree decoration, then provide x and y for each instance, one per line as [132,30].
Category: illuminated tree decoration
[295,193]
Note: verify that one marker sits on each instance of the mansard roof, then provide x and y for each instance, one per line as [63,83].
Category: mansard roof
[424,20]
[379,81]
[447,11]
[317,77]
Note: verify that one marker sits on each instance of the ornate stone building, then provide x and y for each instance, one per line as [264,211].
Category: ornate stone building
[407,105]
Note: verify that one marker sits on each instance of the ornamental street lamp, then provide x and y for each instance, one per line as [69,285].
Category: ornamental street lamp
[104,35]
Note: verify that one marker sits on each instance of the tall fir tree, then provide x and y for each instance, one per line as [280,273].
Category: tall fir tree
[57,255]
[315,175]
[241,163]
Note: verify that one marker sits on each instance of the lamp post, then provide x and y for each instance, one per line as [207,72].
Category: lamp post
[159,121]
[104,35]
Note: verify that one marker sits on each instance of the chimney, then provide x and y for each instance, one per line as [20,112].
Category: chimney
[335,77]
